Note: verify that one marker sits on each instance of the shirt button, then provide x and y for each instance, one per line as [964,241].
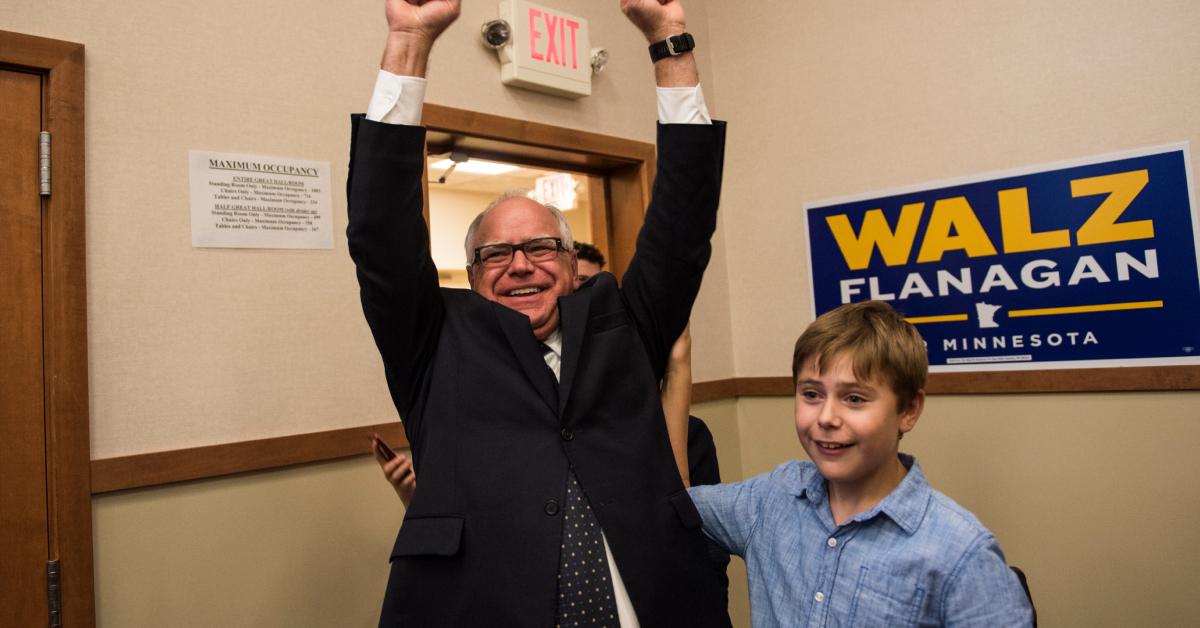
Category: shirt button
[820,597]
[832,542]
[567,434]
[551,507]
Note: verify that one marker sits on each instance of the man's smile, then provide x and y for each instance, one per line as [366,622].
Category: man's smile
[521,292]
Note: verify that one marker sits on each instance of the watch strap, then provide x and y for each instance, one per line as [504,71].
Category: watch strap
[672,46]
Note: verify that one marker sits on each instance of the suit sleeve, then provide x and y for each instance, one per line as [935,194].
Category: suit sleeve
[673,245]
[389,243]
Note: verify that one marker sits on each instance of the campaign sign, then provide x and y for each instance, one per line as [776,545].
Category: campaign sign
[1091,263]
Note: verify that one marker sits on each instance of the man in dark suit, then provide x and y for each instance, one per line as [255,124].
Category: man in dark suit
[532,409]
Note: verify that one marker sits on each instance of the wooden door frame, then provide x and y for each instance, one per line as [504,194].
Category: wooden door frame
[627,167]
[64,316]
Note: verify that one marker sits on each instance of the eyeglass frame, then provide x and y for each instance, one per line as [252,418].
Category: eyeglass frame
[513,248]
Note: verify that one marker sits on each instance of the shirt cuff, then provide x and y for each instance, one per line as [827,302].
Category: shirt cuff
[680,105]
[397,99]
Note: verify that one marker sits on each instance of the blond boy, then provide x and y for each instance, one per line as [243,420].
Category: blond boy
[857,537]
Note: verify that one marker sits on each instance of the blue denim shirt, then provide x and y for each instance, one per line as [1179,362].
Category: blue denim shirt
[916,559]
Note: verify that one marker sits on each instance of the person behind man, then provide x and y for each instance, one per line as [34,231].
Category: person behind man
[547,488]
[589,261]
[857,537]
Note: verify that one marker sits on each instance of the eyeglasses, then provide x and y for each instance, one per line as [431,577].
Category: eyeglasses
[536,250]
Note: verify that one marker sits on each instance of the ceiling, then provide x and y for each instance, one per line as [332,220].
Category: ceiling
[494,184]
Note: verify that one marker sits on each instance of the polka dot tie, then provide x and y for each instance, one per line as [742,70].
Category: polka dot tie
[585,590]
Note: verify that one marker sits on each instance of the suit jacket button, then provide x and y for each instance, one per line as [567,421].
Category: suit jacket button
[567,434]
[551,507]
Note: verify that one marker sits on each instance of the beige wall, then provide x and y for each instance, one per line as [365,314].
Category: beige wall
[191,347]
[1092,494]
[306,546]
[827,99]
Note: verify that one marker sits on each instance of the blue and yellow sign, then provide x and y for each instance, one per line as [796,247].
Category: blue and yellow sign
[1089,263]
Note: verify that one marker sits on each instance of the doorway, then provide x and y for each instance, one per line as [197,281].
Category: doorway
[613,176]
[460,186]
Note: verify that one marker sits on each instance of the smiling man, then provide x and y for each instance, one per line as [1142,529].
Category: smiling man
[520,255]
[548,493]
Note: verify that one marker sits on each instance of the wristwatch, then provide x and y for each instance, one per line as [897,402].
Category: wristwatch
[672,46]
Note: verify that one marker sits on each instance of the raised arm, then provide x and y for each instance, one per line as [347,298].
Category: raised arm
[673,246]
[387,235]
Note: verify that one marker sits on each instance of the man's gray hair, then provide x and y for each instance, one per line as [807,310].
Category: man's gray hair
[564,229]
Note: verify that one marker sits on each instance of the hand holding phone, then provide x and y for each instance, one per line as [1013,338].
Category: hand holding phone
[397,469]
[381,448]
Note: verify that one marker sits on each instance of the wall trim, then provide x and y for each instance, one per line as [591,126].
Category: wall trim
[210,461]
[166,467]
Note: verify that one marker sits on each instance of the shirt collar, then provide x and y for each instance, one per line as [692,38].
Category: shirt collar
[554,341]
[553,357]
[905,505]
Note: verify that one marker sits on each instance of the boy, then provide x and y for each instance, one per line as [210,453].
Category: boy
[857,537]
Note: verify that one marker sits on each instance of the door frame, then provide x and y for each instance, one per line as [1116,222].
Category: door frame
[64,316]
[623,169]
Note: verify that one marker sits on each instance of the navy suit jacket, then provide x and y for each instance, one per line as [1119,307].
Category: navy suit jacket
[493,438]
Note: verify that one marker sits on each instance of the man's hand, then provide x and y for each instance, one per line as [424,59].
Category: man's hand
[421,19]
[413,26]
[657,19]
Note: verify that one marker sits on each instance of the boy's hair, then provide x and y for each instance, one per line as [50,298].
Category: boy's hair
[879,342]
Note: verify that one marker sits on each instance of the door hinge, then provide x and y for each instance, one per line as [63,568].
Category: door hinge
[44,162]
[54,593]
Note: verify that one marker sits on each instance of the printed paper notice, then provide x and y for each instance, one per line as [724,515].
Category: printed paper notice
[256,202]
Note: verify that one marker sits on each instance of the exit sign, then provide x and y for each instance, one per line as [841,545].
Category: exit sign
[549,51]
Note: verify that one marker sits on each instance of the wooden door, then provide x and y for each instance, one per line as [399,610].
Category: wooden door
[24,544]
[45,505]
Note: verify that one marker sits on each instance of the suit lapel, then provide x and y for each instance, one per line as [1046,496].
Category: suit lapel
[573,310]
[528,351]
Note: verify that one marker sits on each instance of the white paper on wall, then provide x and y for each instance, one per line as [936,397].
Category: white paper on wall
[253,201]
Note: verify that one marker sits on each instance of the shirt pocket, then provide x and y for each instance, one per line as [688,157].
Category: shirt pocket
[881,599]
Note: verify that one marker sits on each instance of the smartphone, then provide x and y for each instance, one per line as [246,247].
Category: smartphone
[382,448]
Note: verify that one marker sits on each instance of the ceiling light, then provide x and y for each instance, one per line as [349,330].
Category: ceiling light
[475,166]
